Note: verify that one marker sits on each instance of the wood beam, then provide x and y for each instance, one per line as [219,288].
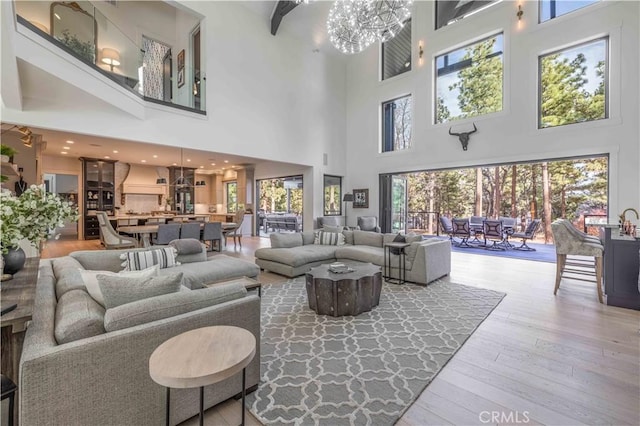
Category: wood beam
[282,8]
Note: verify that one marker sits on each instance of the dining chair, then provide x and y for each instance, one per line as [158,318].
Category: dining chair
[570,242]
[190,230]
[110,238]
[461,230]
[155,221]
[528,234]
[235,231]
[213,232]
[494,232]
[167,233]
[127,222]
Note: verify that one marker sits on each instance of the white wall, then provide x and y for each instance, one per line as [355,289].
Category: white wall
[511,135]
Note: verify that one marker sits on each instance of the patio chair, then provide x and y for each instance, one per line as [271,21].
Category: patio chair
[528,234]
[508,227]
[190,230]
[213,232]
[447,227]
[475,224]
[167,233]
[494,232]
[368,223]
[569,242]
[461,230]
[110,238]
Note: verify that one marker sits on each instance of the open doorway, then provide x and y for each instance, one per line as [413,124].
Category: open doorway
[279,205]
[66,187]
[572,188]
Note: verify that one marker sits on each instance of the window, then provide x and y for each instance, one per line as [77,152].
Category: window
[332,195]
[448,12]
[396,53]
[232,197]
[574,84]
[469,80]
[550,9]
[396,124]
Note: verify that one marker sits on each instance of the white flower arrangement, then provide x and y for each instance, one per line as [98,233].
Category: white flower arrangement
[33,216]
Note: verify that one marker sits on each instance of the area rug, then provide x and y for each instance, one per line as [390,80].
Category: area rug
[361,370]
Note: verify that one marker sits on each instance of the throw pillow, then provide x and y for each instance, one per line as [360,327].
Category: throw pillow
[78,316]
[398,239]
[90,280]
[329,238]
[138,260]
[67,276]
[279,240]
[118,290]
[187,246]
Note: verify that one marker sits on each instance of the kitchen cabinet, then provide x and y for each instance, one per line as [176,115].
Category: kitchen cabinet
[98,193]
[621,266]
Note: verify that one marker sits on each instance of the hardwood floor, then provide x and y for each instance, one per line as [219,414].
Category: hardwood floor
[537,359]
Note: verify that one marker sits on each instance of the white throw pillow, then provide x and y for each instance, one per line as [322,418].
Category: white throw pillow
[138,260]
[91,282]
[329,238]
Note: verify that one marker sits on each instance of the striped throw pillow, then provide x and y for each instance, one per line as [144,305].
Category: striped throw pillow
[329,238]
[139,260]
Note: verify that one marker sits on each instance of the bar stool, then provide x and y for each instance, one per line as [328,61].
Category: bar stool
[9,391]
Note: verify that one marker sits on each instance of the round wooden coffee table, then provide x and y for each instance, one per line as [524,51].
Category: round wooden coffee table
[202,357]
[341,294]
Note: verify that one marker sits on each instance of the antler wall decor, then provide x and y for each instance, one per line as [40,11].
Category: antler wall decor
[464,136]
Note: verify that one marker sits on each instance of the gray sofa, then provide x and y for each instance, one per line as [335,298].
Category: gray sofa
[294,254]
[104,379]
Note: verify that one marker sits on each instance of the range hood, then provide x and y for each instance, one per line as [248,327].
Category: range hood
[142,180]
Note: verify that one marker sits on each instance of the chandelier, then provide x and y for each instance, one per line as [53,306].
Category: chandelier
[353,25]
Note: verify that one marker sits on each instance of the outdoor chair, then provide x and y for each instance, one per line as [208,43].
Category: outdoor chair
[508,227]
[528,234]
[213,233]
[494,232]
[475,224]
[190,230]
[110,238]
[167,233]
[570,242]
[368,223]
[447,227]
[461,230]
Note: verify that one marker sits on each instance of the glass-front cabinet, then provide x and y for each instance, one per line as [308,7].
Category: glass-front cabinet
[99,193]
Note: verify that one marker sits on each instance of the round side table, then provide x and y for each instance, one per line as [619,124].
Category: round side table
[202,357]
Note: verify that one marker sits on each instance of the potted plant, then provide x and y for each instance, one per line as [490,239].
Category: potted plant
[33,216]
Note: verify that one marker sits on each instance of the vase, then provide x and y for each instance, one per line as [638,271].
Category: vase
[13,260]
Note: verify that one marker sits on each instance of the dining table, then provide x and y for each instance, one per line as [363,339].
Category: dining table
[145,231]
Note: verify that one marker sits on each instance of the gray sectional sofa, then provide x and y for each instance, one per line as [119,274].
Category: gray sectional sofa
[294,254]
[104,379]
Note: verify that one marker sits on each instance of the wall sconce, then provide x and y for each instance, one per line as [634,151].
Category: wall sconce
[111,57]
[520,12]
[420,53]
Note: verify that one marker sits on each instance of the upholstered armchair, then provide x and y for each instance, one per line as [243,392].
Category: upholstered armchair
[110,238]
[321,221]
[368,223]
[569,241]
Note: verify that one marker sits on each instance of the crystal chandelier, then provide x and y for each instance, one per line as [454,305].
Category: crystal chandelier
[353,25]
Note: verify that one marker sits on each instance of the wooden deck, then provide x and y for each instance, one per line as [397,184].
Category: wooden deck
[537,359]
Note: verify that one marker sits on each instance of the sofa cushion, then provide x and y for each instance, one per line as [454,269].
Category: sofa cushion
[367,238]
[308,237]
[329,238]
[67,272]
[298,256]
[348,237]
[138,260]
[102,260]
[186,246]
[90,280]
[367,254]
[78,316]
[279,240]
[118,290]
[170,305]
[216,268]
[413,238]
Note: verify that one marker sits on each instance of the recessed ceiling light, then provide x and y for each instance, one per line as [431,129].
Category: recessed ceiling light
[66,147]
[143,161]
[188,160]
[213,164]
[175,164]
[202,167]
[155,156]
[233,167]
[70,142]
[107,157]
[226,161]
[115,151]
[223,168]
[63,152]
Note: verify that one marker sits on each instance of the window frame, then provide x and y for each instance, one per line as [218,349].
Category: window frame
[324,201]
[475,11]
[540,21]
[607,114]
[382,125]
[381,55]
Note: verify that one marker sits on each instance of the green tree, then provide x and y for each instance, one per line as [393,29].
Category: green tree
[442,112]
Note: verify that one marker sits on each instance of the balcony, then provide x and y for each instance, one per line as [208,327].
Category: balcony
[148,68]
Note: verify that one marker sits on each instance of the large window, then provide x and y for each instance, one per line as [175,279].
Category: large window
[396,53]
[573,84]
[449,11]
[232,197]
[396,124]
[550,9]
[332,195]
[469,80]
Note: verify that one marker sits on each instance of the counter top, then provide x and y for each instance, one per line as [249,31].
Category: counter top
[149,216]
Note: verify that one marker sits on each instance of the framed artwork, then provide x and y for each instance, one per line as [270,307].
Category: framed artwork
[181,68]
[360,198]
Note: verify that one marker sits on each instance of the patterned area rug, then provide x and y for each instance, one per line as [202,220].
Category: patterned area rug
[359,370]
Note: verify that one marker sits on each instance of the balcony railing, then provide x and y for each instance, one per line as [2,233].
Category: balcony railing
[82,30]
